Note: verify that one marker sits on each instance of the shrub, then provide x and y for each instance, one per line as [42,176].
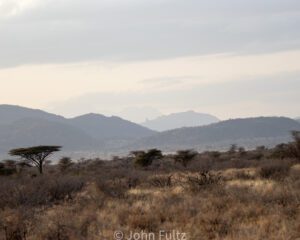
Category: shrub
[261,149]
[281,151]
[65,163]
[214,154]
[15,223]
[161,181]
[294,147]
[8,167]
[232,149]
[116,188]
[185,156]
[242,152]
[203,179]
[290,150]
[10,163]
[275,171]
[255,155]
[7,171]
[38,191]
[144,159]
[64,188]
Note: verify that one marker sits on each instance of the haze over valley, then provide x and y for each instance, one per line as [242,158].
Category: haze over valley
[97,135]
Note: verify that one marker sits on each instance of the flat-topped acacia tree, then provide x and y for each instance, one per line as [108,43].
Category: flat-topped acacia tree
[35,155]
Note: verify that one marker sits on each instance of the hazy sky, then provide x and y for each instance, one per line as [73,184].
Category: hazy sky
[141,58]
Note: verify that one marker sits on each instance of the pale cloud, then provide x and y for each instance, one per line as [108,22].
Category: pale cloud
[166,55]
[11,8]
[38,85]
[273,95]
[56,31]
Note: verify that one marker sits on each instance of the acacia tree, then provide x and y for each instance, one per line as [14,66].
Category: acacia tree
[185,156]
[144,159]
[35,155]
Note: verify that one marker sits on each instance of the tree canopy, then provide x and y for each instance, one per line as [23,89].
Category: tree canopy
[185,156]
[35,155]
[145,159]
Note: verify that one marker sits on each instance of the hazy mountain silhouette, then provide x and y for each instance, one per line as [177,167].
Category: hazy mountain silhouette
[95,133]
[102,127]
[251,131]
[11,113]
[21,127]
[179,120]
[33,131]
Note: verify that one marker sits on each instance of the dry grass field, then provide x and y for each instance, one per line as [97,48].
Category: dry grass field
[235,195]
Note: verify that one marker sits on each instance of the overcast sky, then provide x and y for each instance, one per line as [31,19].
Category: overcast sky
[142,58]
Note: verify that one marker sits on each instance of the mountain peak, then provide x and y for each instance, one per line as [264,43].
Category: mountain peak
[100,126]
[12,113]
[178,120]
[90,116]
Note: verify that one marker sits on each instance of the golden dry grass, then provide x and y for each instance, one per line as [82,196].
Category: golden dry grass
[241,204]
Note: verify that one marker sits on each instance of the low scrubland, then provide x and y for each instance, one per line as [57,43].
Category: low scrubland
[236,194]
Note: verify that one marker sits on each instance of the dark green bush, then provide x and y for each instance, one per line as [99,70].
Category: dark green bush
[144,159]
[65,163]
[185,156]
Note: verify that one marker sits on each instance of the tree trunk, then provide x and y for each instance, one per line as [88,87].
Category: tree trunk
[40,166]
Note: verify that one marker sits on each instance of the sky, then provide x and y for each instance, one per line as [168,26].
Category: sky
[139,59]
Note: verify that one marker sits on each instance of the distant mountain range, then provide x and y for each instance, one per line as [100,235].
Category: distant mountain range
[249,132]
[21,127]
[93,134]
[179,120]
